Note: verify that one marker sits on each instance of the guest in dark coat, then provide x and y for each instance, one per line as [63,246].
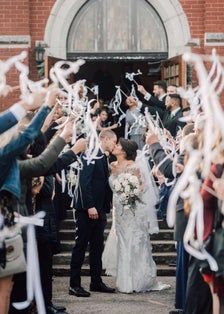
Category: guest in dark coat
[172,114]
[155,103]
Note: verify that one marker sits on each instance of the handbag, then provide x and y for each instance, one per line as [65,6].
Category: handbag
[14,256]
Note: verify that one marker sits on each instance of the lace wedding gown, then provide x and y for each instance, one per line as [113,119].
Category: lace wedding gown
[128,251]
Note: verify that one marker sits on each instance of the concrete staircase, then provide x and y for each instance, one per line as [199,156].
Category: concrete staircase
[164,252]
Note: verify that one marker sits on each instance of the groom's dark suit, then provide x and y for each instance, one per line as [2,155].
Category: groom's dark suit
[94,191]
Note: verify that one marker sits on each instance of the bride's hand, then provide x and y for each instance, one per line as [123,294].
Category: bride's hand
[93,213]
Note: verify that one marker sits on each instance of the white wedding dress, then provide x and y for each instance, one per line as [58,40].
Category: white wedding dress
[128,251]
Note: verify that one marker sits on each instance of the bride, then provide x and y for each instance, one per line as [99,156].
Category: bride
[128,251]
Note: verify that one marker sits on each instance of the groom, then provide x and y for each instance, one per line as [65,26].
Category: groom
[93,202]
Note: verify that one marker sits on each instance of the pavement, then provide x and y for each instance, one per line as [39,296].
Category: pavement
[159,302]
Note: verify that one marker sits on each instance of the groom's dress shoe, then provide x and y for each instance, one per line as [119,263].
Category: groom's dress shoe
[79,292]
[101,287]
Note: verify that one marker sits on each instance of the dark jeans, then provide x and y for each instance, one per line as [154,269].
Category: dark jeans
[88,231]
[181,275]
[198,296]
[46,272]
[164,193]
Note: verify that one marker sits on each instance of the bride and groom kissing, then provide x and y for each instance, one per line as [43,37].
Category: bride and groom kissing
[127,254]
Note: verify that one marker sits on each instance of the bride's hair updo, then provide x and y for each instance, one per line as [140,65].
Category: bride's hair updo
[130,148]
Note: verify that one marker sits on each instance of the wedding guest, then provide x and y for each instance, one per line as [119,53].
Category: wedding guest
[205,287]
[166,168]
[45,164]
[10,188]
[157,102]
[133,130]
[172,114]
[172,89]
[102,121]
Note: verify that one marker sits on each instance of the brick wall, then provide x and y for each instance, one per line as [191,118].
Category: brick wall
[22,17]
[14,20]
[29,17]
[39,13]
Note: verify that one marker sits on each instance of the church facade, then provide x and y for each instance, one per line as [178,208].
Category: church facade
[110,33]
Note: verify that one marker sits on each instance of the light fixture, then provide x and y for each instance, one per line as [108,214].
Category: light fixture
[154,68]
[40,56]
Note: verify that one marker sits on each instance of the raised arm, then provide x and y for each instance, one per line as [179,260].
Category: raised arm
[68,158]
[150,99]
[18,145]
[18,111]
[158,155]
[40,165]
[37,166]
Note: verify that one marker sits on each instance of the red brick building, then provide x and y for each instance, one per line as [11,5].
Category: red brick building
[110,32]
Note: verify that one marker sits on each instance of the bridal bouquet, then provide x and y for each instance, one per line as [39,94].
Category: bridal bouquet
[128,188]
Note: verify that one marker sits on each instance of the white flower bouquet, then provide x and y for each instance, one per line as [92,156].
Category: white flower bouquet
[128,188]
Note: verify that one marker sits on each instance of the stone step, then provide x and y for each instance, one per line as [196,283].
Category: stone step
[70,224]
[164,234]
[67,224]
[164,258]
[157,246]
[64,270]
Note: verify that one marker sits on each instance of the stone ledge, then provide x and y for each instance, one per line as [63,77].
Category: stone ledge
[214,39]
[15,41]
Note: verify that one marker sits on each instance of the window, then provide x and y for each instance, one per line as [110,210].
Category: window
[110,26]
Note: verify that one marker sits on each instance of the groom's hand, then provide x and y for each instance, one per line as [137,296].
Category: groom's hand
[93,213]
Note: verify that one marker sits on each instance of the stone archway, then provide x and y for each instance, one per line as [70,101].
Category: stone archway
[63,12]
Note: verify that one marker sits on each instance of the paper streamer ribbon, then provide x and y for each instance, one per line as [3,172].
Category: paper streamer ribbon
[130,76]
[34,289]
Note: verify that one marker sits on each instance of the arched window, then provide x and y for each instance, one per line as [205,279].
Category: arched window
[116,26]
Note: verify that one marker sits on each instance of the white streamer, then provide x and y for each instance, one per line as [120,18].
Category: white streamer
[33,274]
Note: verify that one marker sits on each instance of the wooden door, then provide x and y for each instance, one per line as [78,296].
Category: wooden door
[174,71]
[48,64]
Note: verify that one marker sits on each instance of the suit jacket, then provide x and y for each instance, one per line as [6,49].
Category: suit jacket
[94,189]
[157,153]
[154,101]
[155,105]
[172,123]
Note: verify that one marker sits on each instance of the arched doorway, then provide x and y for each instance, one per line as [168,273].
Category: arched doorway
[117,35]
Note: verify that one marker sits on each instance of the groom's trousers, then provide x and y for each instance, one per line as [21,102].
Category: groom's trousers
[88,231]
